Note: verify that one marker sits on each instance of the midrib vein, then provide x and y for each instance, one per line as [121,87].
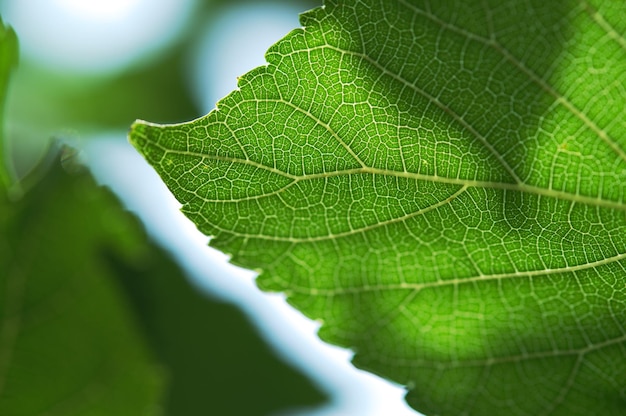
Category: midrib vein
[469,183]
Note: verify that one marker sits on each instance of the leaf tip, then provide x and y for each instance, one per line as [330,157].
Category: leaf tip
[138,133]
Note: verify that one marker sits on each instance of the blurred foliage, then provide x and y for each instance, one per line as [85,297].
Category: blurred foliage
[214,356]
[8,59]
[94,318]
[77,107]
[68,343]
[82,292]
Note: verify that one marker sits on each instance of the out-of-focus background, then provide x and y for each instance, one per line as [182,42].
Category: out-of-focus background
[87,70]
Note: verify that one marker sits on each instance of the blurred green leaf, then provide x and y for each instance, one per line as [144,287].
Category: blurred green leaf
[68,342]
[61,101]
[8,59]
[94,318]
[215,359]
[443,185]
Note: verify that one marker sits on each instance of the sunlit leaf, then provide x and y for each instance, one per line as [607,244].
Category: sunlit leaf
[443,185]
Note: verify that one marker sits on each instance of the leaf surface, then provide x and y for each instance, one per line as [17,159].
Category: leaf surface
[442,185]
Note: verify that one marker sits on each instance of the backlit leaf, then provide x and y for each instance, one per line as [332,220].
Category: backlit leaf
[441,184]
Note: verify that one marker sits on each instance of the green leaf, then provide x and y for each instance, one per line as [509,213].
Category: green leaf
[83,293]
[69,344]
[8,59]
[443,185]
[213,354]
[82,290]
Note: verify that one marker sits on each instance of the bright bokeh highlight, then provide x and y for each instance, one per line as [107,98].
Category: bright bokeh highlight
[234,43]
[95,36]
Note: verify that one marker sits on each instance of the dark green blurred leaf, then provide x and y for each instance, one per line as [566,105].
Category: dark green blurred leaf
[68,340]
[8,59]
[215,358]
[68,344]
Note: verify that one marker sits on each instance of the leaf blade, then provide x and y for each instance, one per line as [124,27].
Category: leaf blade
[482,158]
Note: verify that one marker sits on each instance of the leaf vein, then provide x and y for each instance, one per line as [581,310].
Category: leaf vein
[559,98]
[472,279]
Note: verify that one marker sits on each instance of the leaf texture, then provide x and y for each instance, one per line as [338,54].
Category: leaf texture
[441,184]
